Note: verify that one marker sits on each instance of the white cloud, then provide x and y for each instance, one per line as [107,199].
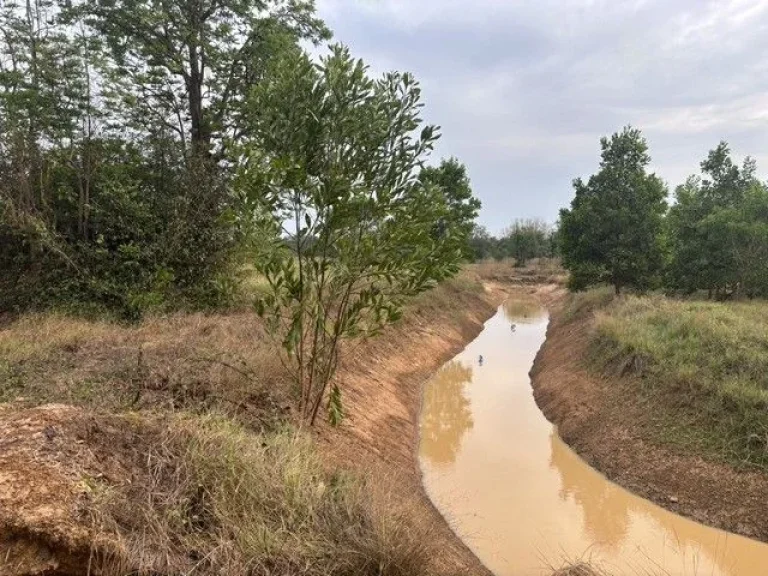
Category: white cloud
[524,89]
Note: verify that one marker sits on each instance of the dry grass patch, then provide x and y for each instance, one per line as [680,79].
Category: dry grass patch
[177,362]
[182,494]
[583,305]
[182,361]
[198,362]
[536,271]
[446,296]
[245,504]
[222,500]
[204,495]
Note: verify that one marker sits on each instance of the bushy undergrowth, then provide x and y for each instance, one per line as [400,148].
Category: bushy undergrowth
[704,365]
[222,500]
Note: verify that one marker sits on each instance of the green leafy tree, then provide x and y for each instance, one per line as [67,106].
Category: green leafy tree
[333,171]
[526,239]
[751,241]
[43,99]
[188,64]
[553,241]
[708,223]
[46,114]
[115,188]
[451,177]
[612,232]
[482,244]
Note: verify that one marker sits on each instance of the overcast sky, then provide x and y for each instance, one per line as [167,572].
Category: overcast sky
[523,90]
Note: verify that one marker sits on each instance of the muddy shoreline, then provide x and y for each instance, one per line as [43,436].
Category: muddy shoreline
[602,421]
[384,381]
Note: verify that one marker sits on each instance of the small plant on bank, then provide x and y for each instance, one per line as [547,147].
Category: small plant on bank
[333,171]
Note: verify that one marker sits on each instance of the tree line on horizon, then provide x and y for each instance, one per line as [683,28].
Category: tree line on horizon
[620,229]
[524,240]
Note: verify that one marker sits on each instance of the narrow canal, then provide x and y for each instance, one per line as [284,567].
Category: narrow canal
[523,500]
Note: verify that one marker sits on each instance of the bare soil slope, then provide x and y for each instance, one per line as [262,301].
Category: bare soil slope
[51,460]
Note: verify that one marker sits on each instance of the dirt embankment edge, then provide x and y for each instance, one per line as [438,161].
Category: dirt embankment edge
[605,423]
[383,381]
[74,450]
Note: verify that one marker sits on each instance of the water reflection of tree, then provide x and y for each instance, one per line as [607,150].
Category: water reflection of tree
[605,508]
[523,310]
[447,414]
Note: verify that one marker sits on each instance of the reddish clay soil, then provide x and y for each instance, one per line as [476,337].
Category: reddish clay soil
[51,459]
[605,422]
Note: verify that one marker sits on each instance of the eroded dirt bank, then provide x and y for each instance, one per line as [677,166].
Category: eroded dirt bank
[384,380]
[54,456]
[605,423]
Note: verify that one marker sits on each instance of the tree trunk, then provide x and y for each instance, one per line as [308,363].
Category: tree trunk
[200,138]
[87,151]
[35,169]
[195,88]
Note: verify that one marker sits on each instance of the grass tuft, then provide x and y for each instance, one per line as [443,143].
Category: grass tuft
[582,304]
[222,500]
[704,365]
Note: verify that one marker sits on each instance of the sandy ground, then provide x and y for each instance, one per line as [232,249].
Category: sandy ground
[600,419]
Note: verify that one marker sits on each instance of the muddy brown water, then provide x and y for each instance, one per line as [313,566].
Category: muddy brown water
[522,500]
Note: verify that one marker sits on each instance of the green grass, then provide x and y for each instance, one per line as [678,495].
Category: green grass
[703,366]
[11,381]
[582,304]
